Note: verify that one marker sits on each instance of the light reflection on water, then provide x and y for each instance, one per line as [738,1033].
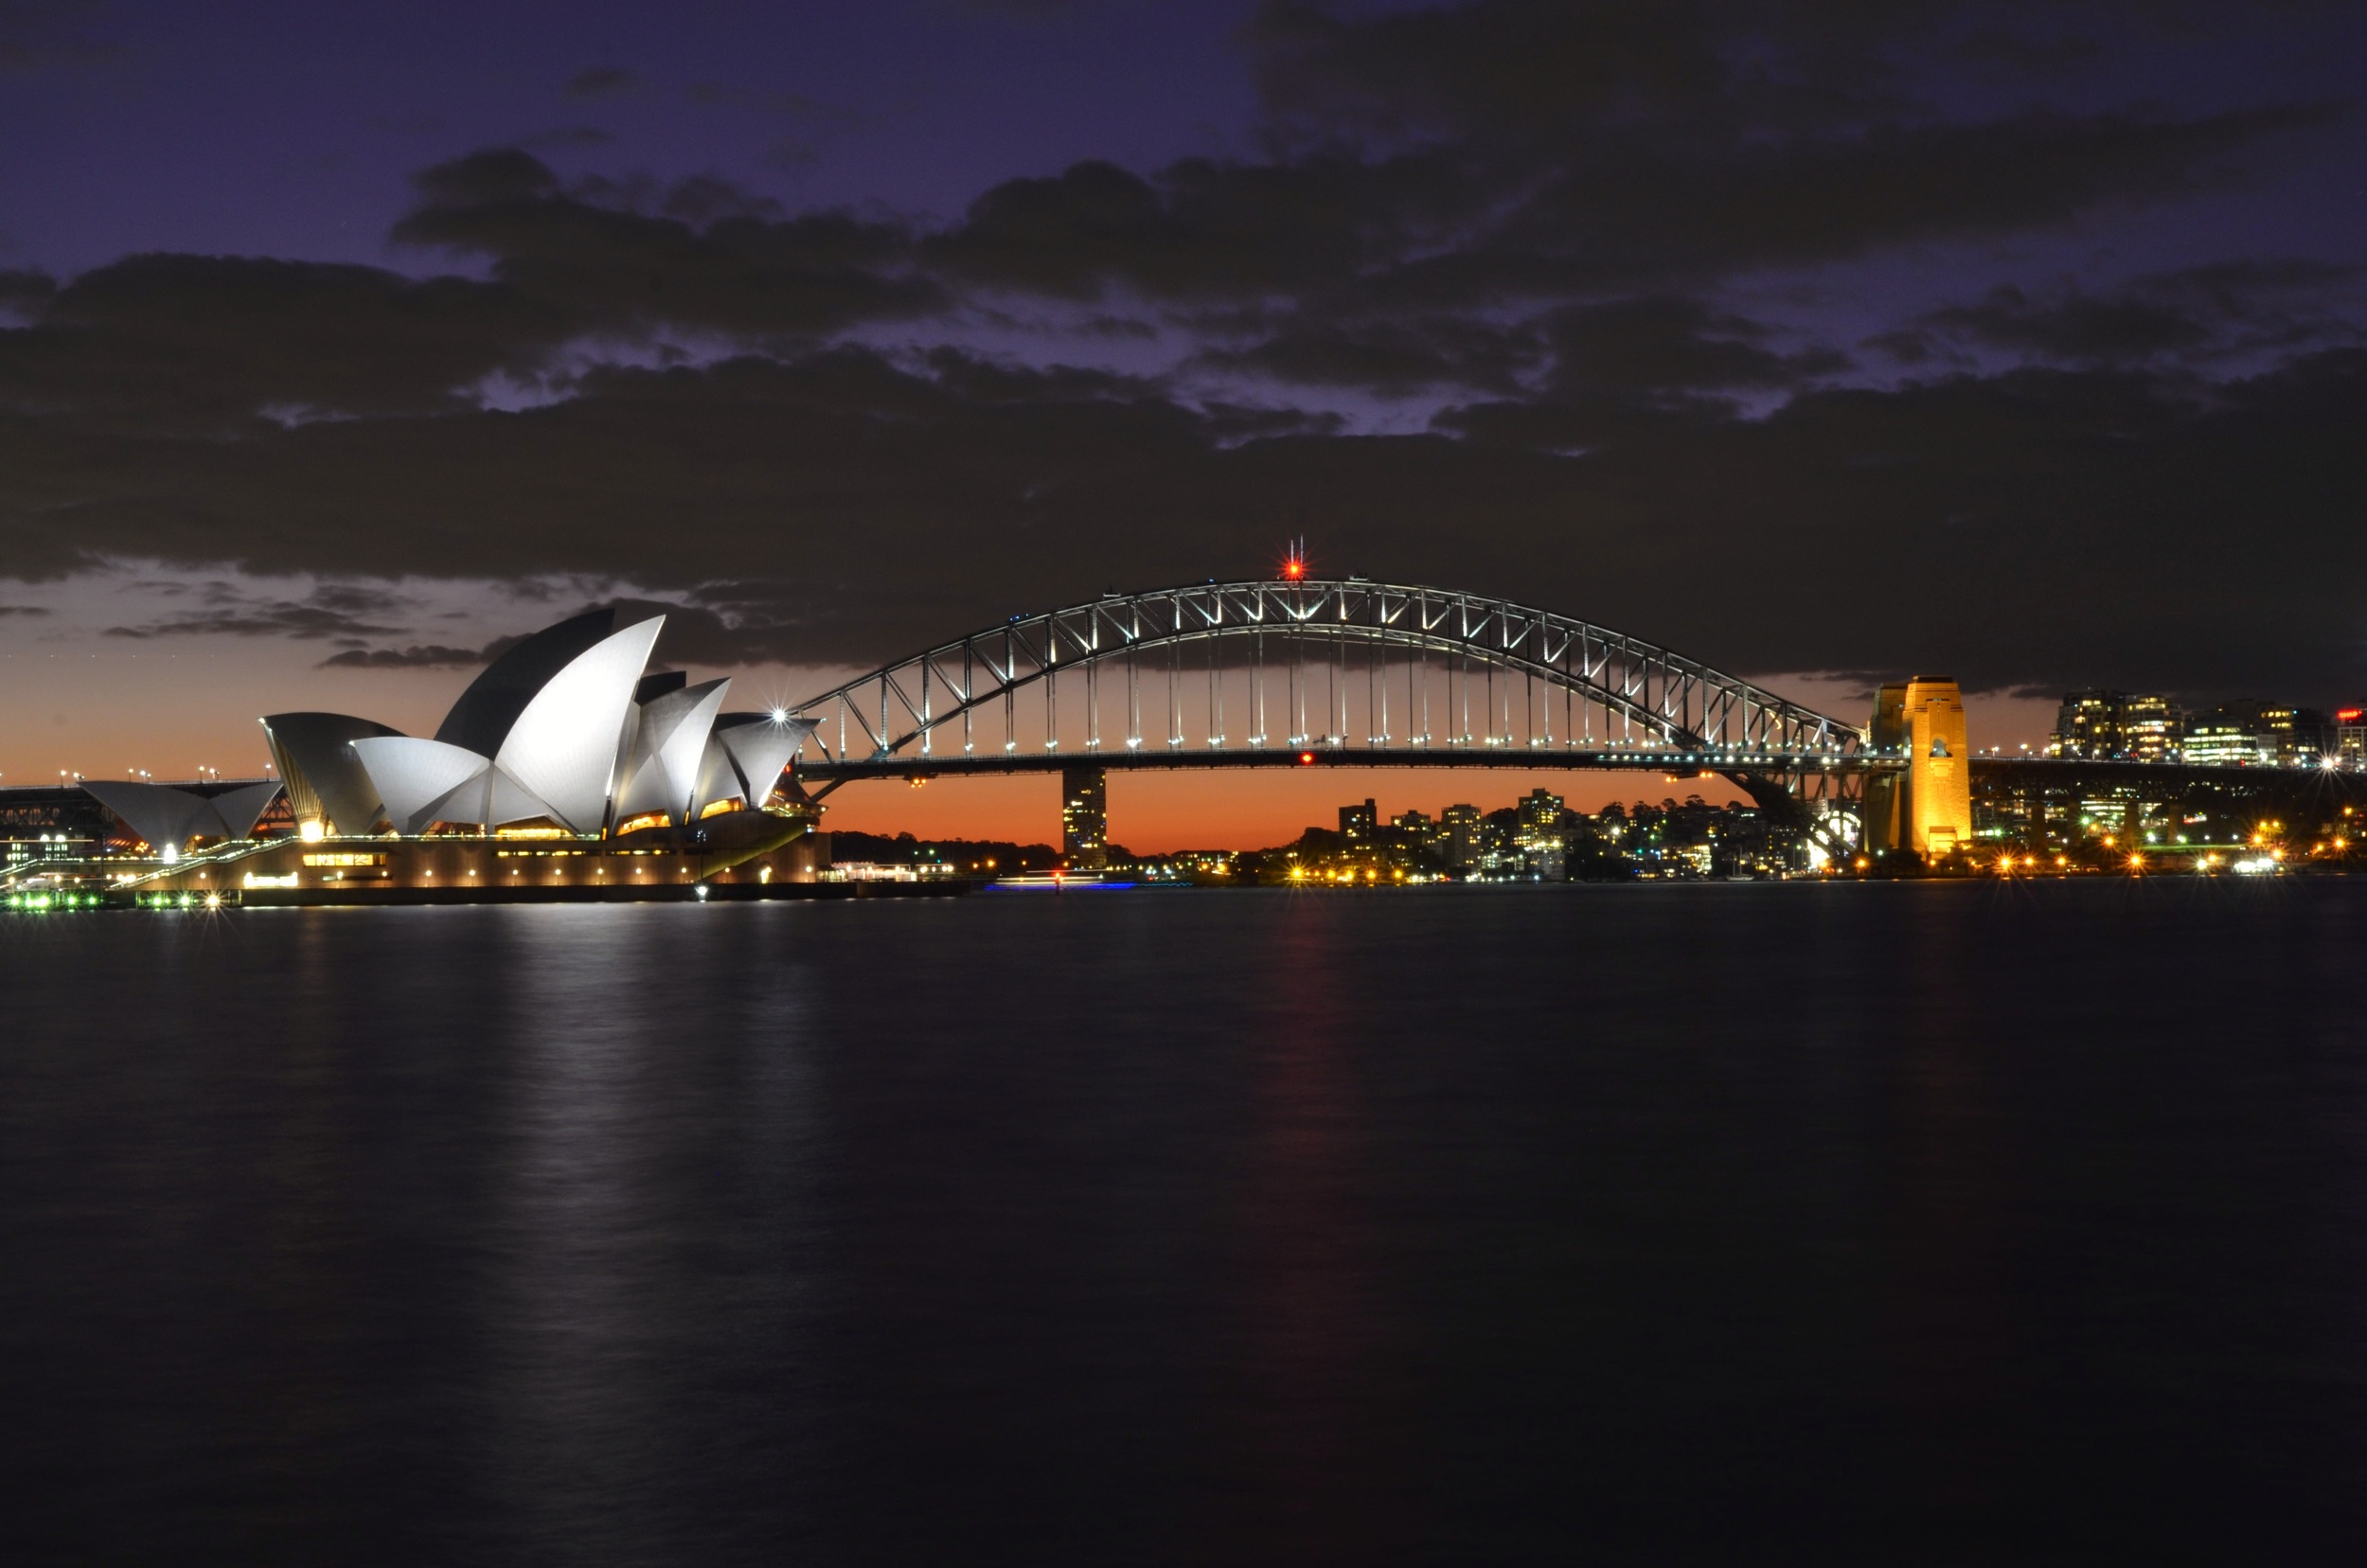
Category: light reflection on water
[1998,1223]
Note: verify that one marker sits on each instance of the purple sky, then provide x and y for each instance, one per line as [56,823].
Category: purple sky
[291,130]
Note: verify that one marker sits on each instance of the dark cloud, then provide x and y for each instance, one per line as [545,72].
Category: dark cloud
[1530,150]
[1230,424]
[2021,52]
[303,621]
[1517,74]
[708,257]
[600,82]
[1665,344]
[988,382]
[2035,525]
[26,610]
[571,136]
[1202,228]
[181,339]
[2224,309]
[485,178]
[735,627]
[417,656]
[1653,347]
[703,635]
[219,342]
[1389,356]
[1605,147]
[2077,328]
[27,287]
[38,35]
[1638,212]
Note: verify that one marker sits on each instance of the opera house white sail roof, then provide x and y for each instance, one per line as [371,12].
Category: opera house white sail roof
[564,728]
[170,818]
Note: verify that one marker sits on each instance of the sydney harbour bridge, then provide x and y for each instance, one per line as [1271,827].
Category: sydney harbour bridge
[1300,672]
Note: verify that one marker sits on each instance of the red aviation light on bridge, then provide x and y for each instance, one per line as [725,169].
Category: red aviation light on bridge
[1295,560]
[1307,759]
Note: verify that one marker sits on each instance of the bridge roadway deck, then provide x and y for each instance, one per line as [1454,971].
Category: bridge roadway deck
[1159,758]
[2009,771]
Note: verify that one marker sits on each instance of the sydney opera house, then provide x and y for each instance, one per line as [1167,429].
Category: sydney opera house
[565,765]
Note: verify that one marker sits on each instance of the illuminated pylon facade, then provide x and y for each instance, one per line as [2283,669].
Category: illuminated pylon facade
[1926,809]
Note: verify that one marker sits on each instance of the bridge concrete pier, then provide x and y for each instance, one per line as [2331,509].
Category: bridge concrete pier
[1085,817]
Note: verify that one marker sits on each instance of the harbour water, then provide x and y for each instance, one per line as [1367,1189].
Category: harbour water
[1964,1222]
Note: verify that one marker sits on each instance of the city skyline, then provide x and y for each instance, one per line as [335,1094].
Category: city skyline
[2095,724]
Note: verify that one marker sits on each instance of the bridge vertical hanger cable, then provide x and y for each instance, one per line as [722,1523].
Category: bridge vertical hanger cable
[1463,667]
[1257,686]
[1337,722]
[1216,700]
[1298,685]
[1421,656]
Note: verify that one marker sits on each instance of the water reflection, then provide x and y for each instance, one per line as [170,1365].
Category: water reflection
[648,1273]
[1897,1222]
[1316,1376]
[1951,1334]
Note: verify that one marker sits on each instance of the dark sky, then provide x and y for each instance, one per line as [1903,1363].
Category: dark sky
[1846,336]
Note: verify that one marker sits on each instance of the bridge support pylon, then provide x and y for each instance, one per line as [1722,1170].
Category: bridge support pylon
[1929,807]
[1085,817]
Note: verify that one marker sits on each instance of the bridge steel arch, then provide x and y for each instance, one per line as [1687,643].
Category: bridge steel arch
[959,702]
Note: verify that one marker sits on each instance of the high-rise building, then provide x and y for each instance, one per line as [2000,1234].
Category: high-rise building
[2350,736]
[2225,738]
[2280,729]
[1540,836]
[2150,729]
[2140,726]
[1541,816]
[1459,825]
[1085,817]
[2087,725]
[2247,734]
[1357,824]
[1411,839]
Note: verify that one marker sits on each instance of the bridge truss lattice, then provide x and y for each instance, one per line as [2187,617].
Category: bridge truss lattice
[1237,669]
